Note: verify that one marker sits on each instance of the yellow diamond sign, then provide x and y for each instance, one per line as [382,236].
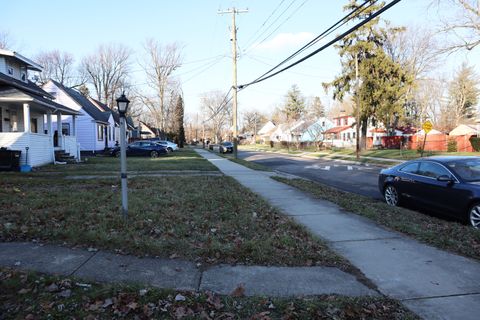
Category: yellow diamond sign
[427,126]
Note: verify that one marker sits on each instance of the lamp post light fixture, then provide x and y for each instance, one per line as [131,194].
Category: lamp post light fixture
[122,104]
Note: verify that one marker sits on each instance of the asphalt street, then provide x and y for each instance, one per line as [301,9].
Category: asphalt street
[342,174]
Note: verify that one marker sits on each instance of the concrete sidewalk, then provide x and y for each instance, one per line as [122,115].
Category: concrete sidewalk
[180,275]
[430,282]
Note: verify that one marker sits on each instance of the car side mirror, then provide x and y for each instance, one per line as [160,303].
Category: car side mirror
[445,178]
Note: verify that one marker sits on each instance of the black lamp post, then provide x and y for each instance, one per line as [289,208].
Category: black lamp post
[122,104]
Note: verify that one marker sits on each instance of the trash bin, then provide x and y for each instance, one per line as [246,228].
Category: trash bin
[9,160]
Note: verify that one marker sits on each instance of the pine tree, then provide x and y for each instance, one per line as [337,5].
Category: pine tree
[295,104]
[383,82]
[464,95]
[179,128]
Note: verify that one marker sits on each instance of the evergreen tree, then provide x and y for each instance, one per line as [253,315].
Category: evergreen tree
[295,104]
[382,82]
[179,128]
[464,95]
[316,109]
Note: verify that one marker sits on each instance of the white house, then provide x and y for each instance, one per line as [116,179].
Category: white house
[95,125]
[266,131]
[343,133]
[27,114]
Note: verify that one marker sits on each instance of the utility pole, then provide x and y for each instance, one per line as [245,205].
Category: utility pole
[357,127]
[234,12]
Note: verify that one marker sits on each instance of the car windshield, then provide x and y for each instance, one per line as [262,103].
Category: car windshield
[227,144]
[467,169]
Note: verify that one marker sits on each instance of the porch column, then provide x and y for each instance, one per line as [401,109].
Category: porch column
[59,129]
[74,126]
[26,117]
[50,132]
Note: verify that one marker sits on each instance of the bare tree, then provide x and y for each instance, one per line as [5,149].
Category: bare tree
[106,71]
[216,113]
[5,40]
[59,66]
[429,102]
[462,22]
[252,121]
[159,65]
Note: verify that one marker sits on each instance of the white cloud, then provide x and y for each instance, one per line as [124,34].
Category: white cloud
[285,41]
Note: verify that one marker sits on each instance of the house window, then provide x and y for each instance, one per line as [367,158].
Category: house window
[66,129]
[345,122]
[109,133]
[339,122]
[348,136]
[323,123]
[10,71]
[99,132]
[353,135]
[113,134]
[33,125]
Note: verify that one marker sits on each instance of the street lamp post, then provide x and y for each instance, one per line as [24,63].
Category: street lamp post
[122,104]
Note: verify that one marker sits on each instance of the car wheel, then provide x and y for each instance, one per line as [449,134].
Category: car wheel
[154,154]
[392,198]
[169,149]
[474,215]
[117,154]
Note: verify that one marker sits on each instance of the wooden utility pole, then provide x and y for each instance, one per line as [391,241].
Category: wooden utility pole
[357,114]
[234,12]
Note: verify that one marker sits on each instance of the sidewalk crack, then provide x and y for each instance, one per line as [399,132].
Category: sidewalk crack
[371,239]
[83,263]
[200,280]
[444,296]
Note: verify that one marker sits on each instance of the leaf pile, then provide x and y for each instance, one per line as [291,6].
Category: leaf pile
[32,296]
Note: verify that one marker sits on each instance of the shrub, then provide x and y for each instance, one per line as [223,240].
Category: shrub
[452,145]
[475,141]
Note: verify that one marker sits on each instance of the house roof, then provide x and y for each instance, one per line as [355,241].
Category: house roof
[15,55]
[9,93]
[28,86]
[463,129]
[91,109]
[338,129]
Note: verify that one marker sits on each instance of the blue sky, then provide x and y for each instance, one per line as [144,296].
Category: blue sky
[79,27]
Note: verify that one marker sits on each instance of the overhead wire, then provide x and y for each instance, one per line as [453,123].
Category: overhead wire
[341,36]
[327,32]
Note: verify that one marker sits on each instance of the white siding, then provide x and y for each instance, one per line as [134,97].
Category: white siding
[40,147]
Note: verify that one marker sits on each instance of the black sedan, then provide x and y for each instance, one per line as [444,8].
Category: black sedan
[448,185]
[226,147]
[142,148]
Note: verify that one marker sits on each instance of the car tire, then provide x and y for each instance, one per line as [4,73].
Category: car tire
[169,149]
[391,196]
[154,154]
[117,154]
[473,216]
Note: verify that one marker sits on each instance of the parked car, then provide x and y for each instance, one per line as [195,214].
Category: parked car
[170,146]
[226,147]
[141,148]
[448,185]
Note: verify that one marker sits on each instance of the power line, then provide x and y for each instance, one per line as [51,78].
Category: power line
[266,20]
[281,14]
[366,20]
[281,24]
[327,32]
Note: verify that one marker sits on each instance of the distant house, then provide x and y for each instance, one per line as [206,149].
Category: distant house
[315,132]
[95,126]
[116,118]
[27,114]
[342,135]
[146,131]
[462,134]
[266,131]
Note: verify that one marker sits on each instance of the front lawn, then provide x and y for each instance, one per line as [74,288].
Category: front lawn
[447,235]
[183,159]
[202,218]
[34,296]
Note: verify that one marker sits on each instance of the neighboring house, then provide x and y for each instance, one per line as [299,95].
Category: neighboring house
[315,132]
[462,134]
[266,131]
[116,118]
[343,133]
[145,131]
[281,133]
[95,125]
[27,114]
